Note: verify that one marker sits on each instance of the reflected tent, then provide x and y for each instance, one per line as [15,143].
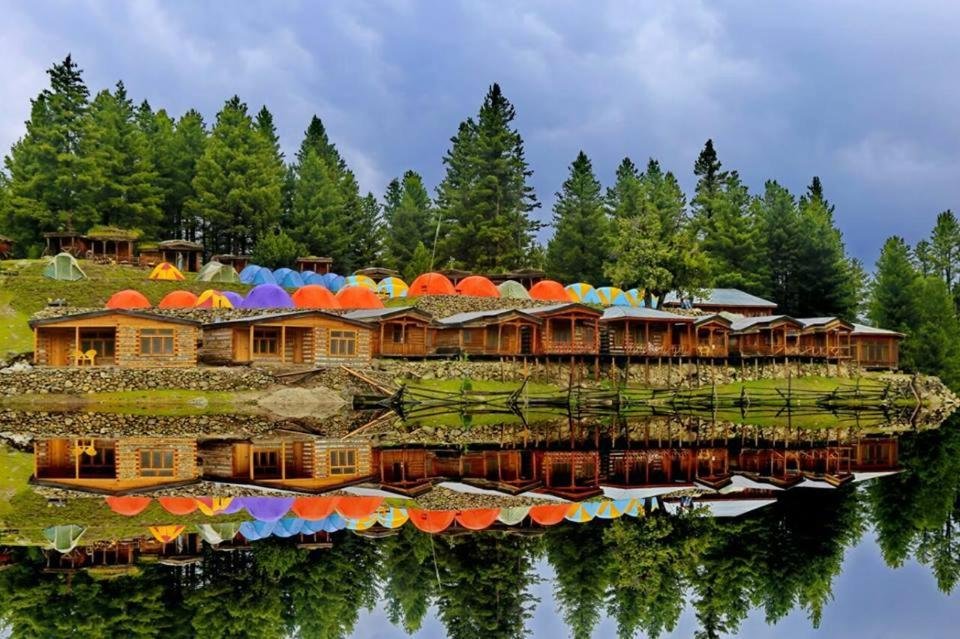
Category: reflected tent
[63,538]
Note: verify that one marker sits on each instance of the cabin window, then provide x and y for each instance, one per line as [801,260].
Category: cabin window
[343,343]
[101,463]
[266,462]
[560,331]
[343,462]
[492,334]
[156,341]
[398,334]
[156,463]
[266,341]
[102,341]
[875,351]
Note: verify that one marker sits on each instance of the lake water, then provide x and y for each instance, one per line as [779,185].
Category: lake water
[838,529]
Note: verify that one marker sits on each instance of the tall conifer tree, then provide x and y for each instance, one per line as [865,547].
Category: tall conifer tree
[410,218]
[578,248]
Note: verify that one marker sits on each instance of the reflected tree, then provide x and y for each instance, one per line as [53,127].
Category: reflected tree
[409,578]
[580,557]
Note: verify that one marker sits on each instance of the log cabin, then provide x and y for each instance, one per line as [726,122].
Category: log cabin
[496,333]
[414,471]
[875,347]
[573,475]
[830,464]
[6,247]
[319,265]
[510,471]
[398,332]
[876,455]
[651,468]
[648,332]
[406,471]
[825,337]
[712,336]
[113,244]
[291,462]
[70,242]
[776,466]
[765,336]
[238,262]
[115,466]
[296,338]
[187,256]
[720,300]
[115,337]
[568,329]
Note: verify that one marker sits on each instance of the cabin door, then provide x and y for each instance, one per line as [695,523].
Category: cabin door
[241,345]
[296,339]
[241,461]
[526,340]
[58,347]
[59,459]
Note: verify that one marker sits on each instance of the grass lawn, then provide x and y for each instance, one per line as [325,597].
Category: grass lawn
[479,386]
[15,470]
[163,402]
[25,291]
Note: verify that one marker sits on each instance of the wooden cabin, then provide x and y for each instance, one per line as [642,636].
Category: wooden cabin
[414,471]
[6,247]
[648,332]
[875,347]
[307,337]
[398,332]
[184,254]
[407,471]
[292,462]
[572,475]
[511,471]
[238,262]
[525,276]
[776,466]
[830,464]
[650,467]
[497,333]
[70,242]
[377,273]
[114,466]
[115,337]
[712,333]
[876,454]
[319,265]
[712,467]
[567,329]
[112,244]
[826,337]
[719,300]
[766,336]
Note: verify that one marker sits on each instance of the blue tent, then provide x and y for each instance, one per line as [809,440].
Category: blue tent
[254,530]
[248,272]
[288,527]
[310,277]
[263,276]
[333,282]
[290,280]
[280,273]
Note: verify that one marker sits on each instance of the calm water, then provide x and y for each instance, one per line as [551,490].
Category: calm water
[874,558]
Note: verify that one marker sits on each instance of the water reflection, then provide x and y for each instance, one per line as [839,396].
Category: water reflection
[641,570]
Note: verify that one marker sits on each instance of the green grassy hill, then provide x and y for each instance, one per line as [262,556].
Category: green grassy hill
[24,291]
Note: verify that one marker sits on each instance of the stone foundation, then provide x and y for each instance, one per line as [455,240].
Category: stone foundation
[77,380]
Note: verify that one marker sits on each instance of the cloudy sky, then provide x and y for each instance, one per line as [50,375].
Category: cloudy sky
[865,95]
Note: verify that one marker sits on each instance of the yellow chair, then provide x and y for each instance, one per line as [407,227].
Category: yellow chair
[79,357]
[91,356]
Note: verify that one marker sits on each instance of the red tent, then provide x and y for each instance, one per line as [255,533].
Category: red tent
[178,299]
[128,298]
[431,284]
[129,505]
[548,515]
[313,508]
[178,505]
[549,291]
[477,286]
[358,297]
[357,507]
[431,521]
[314,296]
[478,518]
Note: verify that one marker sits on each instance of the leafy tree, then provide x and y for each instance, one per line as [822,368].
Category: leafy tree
[46,174]
[578,248]
[278,249]
[409,216]
[122,183]
[237,186]
[484,199]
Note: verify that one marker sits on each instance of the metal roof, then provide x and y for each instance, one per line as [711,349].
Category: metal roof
[863,329]
[363,314]
[631,312]
[471,316]
[722,297]
[264,317]
[744,323]
[142,314]
[560,306]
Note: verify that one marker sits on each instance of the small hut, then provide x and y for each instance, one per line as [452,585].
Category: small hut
[318,265]
[108,243]
[185,255]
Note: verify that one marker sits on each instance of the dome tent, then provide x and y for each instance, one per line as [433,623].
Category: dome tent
[313,296]
[217,272]
[477,286]
[127,299]
[333,282]
[633,297]
[249,272]
[280,273]
[583,293]
[391,287]
[235,298]
[213,299]
[431,284]
[549,291]
[290,280]
[263,276]
[166,272]
[512,289]
[361,280]
[178,299]
[354,297]
[267,296]
[64,267]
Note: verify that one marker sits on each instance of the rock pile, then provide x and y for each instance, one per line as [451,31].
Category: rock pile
[22,380]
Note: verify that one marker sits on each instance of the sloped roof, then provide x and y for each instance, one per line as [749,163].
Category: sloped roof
[730,297]
[112,311]
[814,322]
[184,245]
[632,312]
[375,314]
[863,329]
[265,317]
[746,323]
[473,316]
[560,306]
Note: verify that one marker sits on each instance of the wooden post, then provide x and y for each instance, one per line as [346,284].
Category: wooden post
[382,349]
[76,459]
[283,343]
[283,459]
[250,348]
[251,461]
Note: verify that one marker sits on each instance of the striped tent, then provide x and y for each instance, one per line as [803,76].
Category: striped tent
[584,511]
[213,299]
[611,509]
[582,292]
[633,297]
[392,517]
[607,294]
[391,287]
[166,534]
[167,272]
[360,280]
[211,506]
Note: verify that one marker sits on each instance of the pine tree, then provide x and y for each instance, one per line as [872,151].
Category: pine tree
[933,347]
[622,197]
[421,261]
[122,182]
[779,219]
[237,190]
[189,142]
[893,296]
[410,218]
[318,208]
[731,235]
[710,182]
[578,248]
[365,232]
[945,248]
[46,175]
[484,199]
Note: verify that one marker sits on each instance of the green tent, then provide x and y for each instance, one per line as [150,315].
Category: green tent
[513,290]
[217,272]
[64,267]
[219,532]
[64,538]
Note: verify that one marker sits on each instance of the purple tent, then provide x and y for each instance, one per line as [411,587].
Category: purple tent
[254,530]
[235,298]
[267,296]
[267,508]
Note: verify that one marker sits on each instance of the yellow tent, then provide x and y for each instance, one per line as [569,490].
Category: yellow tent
[166,271]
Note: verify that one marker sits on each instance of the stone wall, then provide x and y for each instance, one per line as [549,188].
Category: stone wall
[128,352]
[23,380]
[184,456]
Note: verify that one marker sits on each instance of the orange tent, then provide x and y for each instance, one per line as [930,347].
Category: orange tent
[178,505]
[128,506]
[358,297]
[477,286]
[431,284]
[357,507]
[128,298]
[314,296]
[549,291]
[313,508]
[178,299]
[431,521]
[478,518]
[548,515]
[166,534]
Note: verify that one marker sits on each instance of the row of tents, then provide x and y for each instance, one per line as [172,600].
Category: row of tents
[263,296]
